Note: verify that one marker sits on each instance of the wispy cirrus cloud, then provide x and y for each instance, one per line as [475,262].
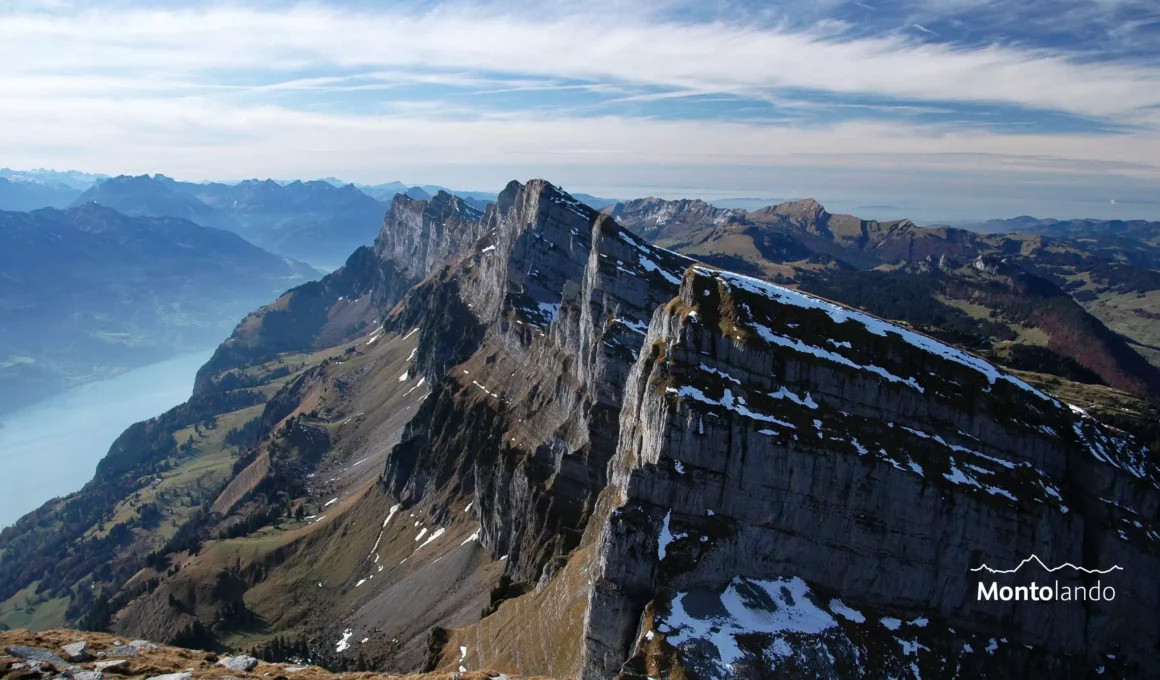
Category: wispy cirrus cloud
[702,57]
[228,90]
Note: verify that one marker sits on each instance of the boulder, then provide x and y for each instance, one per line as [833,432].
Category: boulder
[122,650]
[76,651]
[172,676]
[36,654]
[242,664]
[143,644]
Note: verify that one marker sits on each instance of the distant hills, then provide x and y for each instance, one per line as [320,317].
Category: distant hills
[87,292]
[1142,230]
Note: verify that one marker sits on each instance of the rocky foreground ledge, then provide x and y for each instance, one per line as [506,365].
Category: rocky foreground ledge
[77,655]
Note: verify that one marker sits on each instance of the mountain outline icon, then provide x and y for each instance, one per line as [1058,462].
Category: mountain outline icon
[1035,558]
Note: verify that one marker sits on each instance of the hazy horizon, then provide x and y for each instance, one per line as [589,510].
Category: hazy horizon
[867,205]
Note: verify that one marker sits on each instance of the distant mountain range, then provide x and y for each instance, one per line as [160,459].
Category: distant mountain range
[153,196]
[87,292]
[1142,230]
[74,179]
[310,221]
[24,195]
[320,221]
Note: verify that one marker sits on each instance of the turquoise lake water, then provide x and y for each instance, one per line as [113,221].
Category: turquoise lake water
[51,448]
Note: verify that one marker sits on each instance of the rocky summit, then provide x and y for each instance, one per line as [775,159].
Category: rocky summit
[527,440]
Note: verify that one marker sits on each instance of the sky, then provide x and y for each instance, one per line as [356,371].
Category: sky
[938,110]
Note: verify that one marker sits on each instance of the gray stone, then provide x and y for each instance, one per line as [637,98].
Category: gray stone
[172,676]
[76,651]
[143,644]
[242,664]
[84,675]
[36,654]
[117,663]
[122,650]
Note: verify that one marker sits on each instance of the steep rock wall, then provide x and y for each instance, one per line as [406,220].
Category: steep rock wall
[759,442]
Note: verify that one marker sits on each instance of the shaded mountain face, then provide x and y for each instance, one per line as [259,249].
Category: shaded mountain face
[89,286]
[32,195]
[973,289]
[313,221]
[416,236]
[530,441]
[156,196]
[310,221]
[383,192]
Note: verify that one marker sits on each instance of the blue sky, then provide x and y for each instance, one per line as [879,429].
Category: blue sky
[933,109]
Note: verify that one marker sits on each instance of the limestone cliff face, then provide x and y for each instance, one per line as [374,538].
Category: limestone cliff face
[773,445]
[528,422]
[733,449]
[418,236]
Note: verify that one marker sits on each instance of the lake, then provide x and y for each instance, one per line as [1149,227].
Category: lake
[51,448]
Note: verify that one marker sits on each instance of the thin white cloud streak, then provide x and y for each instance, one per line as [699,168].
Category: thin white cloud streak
[600,47]
[206,139]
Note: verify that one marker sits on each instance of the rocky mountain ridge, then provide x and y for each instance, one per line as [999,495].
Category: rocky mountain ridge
[1028,301]
[529,440]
